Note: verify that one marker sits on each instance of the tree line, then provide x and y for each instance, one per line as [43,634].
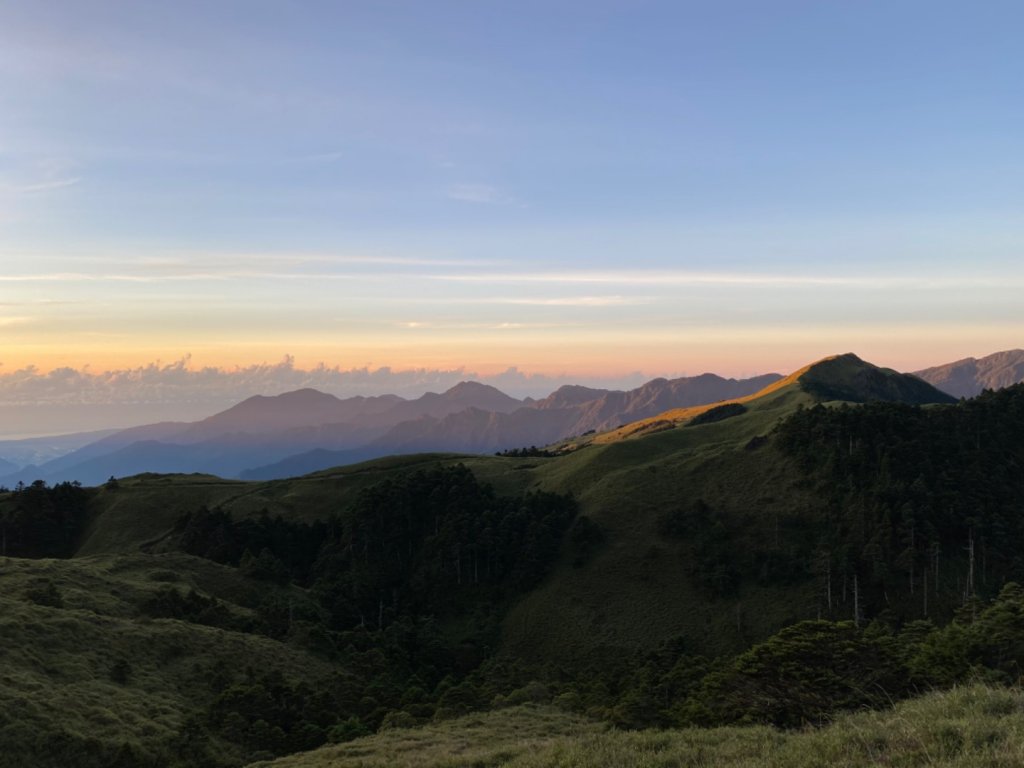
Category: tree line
[39,520]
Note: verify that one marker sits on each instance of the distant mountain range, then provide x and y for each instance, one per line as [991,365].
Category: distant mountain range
[968,377]
[306,430]
[758,527]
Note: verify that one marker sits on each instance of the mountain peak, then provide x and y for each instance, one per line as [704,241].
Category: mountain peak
[842,377]
[298,398]
[968,377]
[846,377]
[471,387]
[474,393]
[307,395]
[262,413]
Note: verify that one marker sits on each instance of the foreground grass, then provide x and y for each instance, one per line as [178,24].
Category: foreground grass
[974,726]
[90,675]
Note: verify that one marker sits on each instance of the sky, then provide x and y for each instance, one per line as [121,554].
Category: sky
[573,190]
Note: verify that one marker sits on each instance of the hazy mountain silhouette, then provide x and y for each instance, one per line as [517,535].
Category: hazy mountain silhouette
[307,430]
[968,377]
[302,408]
[258,431]
[850,379]
[613,408]
[840,378]
[38,450]
[570,410]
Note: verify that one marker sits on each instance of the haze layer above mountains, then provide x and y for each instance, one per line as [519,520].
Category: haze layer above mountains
[692,533]
[307,430]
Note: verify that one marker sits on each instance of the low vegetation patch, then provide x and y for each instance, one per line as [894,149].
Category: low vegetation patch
[718,413]
[971,726]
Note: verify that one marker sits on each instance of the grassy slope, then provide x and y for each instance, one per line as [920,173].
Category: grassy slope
[682,415]
[144,508]
[636,592]
[968,727]
[633,593]
[55,662]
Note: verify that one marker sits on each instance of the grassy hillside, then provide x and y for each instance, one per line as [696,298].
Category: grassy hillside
[637,590]
[617,597]
[417,593]
[142,509]
[963,728]
[90,677]
[631,586]
[840,378]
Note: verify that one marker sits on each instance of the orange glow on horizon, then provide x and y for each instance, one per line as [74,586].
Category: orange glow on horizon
[737,355]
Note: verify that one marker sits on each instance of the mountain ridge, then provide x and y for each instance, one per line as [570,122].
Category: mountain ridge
[844,377]
[470,416]
[262,437]
[970,376]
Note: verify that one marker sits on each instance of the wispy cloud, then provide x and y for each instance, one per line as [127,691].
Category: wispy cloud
[572,301]
[384,260]
[293,269]
[662,278]
[323,157]
[536,301]
[468,326]
[221,266]
[46,277]
[178,382]
[483,194]
[48,186]
[39,303]
[213,260]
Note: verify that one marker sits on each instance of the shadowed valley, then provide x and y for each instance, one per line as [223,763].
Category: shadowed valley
[843,538]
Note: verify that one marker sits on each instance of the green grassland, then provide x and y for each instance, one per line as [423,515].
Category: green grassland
[141,510]
[634,591]
[970,727]
[690,540]
[86,673]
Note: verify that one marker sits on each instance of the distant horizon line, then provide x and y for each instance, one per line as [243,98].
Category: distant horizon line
[66,400]
[287,362]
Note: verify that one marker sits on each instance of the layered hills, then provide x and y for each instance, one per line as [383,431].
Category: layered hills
[306,430]
[970,376]
[824,524]
[624,479]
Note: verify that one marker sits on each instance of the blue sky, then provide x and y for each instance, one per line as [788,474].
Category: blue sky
[582,188]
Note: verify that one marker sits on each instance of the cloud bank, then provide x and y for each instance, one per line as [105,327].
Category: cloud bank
[177,383]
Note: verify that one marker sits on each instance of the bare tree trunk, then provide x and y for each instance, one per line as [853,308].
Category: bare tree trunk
[925,591]
[969,592]
[913,552]
[828,585]
[984,562]
[856,602]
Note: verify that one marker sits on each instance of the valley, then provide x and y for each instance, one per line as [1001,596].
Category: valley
[660,574]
